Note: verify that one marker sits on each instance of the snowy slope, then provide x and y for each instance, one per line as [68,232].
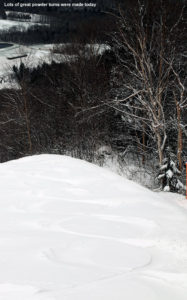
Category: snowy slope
[70,230]
[9,24]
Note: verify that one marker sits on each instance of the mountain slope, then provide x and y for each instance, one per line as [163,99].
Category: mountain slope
[71,230]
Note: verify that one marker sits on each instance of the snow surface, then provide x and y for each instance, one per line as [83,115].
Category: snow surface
[17,25]
[70,230]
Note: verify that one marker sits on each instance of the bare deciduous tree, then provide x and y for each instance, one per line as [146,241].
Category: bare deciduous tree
[147,49]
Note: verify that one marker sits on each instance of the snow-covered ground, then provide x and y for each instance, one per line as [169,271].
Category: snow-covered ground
[70,230]
[16,25]
[9,24]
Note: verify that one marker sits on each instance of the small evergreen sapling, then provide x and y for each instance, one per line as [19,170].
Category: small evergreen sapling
[168,175]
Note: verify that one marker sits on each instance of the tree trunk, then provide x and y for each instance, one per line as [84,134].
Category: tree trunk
[179,138]
[27,119]
[159,146]
[143,145]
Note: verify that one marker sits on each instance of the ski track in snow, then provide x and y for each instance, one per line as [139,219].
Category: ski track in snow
[70,230]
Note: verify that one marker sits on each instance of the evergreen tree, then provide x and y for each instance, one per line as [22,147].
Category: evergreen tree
[168,175]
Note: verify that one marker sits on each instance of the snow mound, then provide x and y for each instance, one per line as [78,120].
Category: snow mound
[71,230]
